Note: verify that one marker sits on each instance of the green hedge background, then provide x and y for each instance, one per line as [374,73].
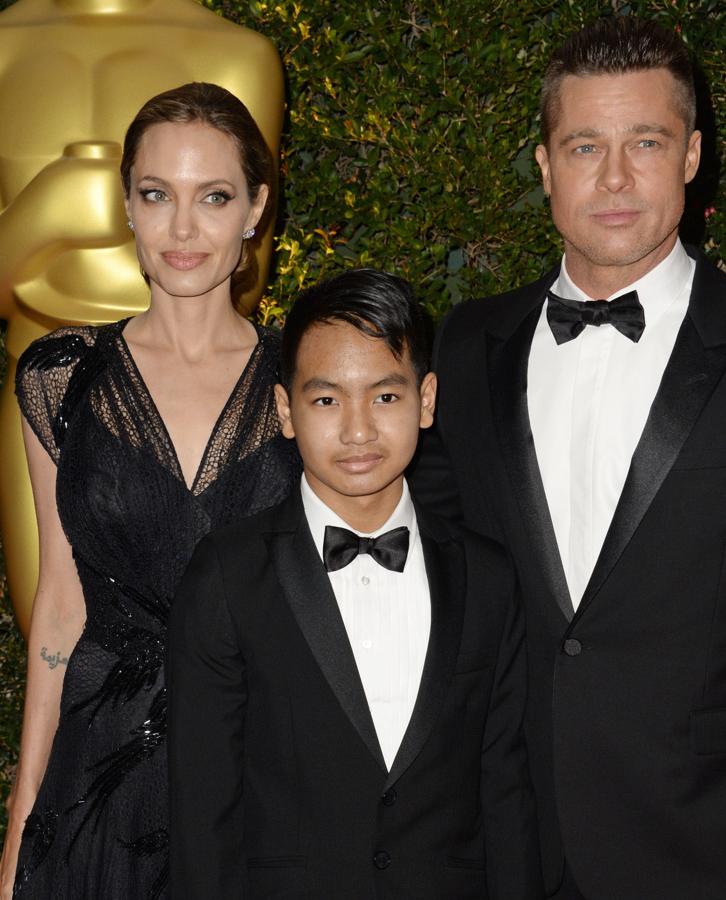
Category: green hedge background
[408,145]
[411,133]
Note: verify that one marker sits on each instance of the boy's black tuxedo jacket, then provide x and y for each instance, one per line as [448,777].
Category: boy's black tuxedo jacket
[278,785]
[626,713]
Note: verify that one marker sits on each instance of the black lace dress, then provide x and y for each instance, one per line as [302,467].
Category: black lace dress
[99,826]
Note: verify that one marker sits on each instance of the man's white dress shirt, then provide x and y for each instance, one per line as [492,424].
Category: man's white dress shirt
[588,403]
[387,616]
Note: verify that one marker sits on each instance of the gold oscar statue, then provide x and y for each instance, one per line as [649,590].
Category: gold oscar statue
[73,73]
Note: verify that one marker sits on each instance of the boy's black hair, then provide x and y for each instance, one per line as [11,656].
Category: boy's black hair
[376,303]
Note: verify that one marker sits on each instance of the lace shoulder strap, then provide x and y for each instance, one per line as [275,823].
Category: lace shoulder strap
[49,380]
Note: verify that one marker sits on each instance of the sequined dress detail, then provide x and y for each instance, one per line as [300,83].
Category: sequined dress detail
[99,825]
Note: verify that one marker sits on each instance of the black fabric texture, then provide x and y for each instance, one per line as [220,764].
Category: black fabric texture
[99,826]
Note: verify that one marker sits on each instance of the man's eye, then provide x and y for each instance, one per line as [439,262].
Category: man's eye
[387,398]
[585,149]
[647,143]
[324,401]
[153,195]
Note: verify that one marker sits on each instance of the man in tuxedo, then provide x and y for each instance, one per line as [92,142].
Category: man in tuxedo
[346,677]
[582,420]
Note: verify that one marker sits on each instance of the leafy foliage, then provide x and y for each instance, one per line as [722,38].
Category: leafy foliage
[12,666]
[12,678]
[411,131]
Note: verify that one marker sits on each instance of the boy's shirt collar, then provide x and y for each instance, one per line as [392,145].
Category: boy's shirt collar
[319,515]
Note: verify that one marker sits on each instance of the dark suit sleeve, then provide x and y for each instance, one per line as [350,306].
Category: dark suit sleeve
[510,819]
[207,696]
[432,476]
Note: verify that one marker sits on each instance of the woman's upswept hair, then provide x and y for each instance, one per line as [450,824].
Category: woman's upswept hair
[215,106]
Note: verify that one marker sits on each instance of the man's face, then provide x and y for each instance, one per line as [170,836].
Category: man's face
[615,169]
[355,411]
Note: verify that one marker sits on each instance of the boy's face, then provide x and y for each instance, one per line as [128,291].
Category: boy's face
[355,411]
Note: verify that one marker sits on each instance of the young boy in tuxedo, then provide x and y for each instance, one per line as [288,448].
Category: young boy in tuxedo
[346,676]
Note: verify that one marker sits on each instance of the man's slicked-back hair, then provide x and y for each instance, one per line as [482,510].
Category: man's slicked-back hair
[377,304]
[615,46]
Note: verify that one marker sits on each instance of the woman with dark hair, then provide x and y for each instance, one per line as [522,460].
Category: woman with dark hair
[141,436]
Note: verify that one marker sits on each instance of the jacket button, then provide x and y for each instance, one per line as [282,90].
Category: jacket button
[390,797]
[382,859]
[572,647]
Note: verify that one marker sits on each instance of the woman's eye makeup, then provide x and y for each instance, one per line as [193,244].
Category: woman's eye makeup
[213,198]
[218,198]
[153,195]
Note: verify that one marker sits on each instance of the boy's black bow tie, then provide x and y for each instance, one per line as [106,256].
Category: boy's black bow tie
[340,547]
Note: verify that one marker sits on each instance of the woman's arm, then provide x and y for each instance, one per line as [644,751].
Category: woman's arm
[58,615]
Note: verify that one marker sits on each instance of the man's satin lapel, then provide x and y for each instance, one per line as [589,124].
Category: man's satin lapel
[312,601]
[447,585]
[507,364]
[690,378]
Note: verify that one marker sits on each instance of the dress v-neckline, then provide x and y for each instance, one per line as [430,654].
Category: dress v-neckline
[179,473]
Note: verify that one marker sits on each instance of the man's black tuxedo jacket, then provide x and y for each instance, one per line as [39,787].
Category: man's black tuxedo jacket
[626,712]
[278,785]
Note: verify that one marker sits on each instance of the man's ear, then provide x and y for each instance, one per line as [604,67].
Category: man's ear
[693,156]
[543,161]
[427,392]
[282,401]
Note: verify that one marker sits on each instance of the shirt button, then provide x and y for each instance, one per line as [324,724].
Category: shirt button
[572,647]
[367,644]
[365,580]
[382,859]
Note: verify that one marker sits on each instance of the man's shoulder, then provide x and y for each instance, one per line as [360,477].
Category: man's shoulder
[710,270]
[706,307]
[497,310]
[486,551]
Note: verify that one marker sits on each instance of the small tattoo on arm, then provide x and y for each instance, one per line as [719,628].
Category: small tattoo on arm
[53,659]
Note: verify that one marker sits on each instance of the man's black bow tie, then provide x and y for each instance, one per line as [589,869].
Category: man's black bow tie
[341,547]
[567,318]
